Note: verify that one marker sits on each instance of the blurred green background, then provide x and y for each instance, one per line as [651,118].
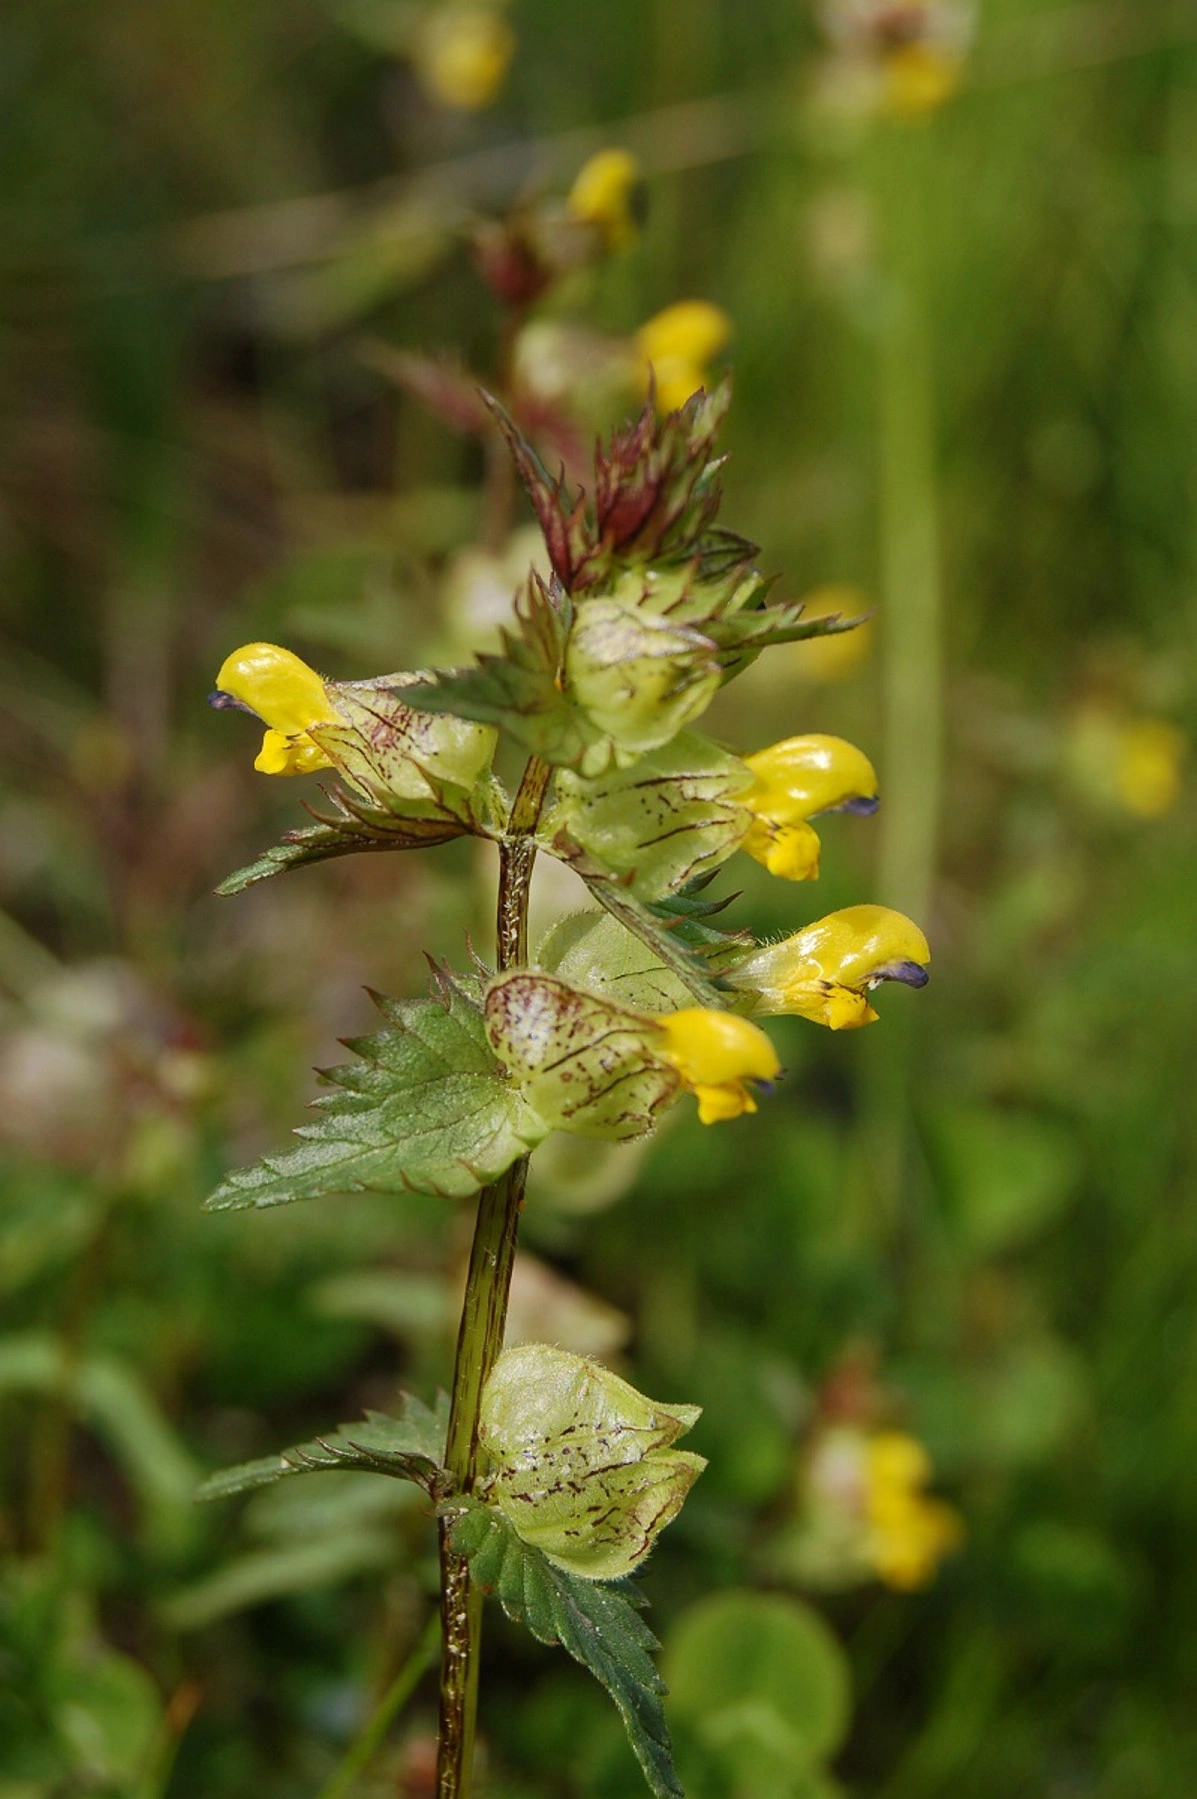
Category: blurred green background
[965,358]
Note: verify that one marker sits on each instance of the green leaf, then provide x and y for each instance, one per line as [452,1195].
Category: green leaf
[107,1715]
[594,1621]
[354,826]
[1009,1174]
[426,1110]
[268,1574]
[760,1682]
[409,1447]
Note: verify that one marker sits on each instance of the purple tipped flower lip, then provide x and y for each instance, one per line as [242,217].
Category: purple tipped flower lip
[911,974]
[861,805]
[225,702]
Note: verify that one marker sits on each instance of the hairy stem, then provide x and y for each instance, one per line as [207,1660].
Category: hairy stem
[480,1335]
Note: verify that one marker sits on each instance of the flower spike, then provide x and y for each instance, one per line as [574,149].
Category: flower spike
[825,971]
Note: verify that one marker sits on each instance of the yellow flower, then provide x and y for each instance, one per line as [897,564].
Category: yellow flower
[908,1532]
[796,780]
[825,971]
[715,1053]
[1133,764]
[918,78]
[288,697]
[834,657]
[676,346]
[1151,753]
[462,54]
[603,193]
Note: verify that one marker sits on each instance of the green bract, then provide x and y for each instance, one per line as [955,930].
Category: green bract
[582,1464]
[594,950]
[638,679]
[393,752]
[670,817]
[581,1062]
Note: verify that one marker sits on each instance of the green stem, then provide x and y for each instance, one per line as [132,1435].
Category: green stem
[911,594]
[366,1746]
[911,625]
[480,1336]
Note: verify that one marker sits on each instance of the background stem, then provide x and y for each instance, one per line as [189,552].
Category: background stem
[362,1751]
[911,627]
[480,1335]
[911,589]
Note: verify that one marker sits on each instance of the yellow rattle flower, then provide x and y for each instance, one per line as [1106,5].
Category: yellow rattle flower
[677,344]
[908,1532]
[825,971]
[716,1053]
[796,780]
[919,77]
[462,54]
[288,697]
[603,194]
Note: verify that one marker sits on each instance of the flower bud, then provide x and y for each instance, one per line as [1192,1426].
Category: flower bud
[582,1464]
[640,679]
[797,780]
[825,971]
[717,581]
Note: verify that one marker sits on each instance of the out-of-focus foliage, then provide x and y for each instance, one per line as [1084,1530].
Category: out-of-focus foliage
[242,308]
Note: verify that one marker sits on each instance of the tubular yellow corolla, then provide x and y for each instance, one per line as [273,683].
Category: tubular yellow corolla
[677,344]
[462,54]
[909,1532]
[795,780]
[825,971]
[288,697]
[602,195]
[716,1053]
